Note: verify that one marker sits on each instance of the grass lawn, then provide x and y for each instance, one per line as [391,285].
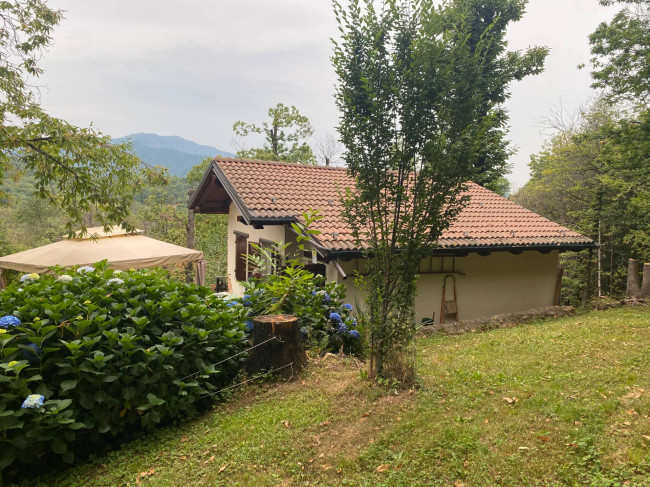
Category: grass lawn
[559,402]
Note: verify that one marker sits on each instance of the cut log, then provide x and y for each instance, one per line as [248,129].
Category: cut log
[287,349]
[632,279]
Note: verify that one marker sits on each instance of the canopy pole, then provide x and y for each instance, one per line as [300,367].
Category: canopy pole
[200,271]
[3,280]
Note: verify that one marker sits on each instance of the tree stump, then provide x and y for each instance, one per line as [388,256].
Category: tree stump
[645,284]
[274,354]
[633,288]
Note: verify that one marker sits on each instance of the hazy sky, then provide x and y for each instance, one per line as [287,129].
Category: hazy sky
[194,68]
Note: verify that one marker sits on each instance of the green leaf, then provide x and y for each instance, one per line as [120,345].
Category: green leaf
[66,385]
[58,446]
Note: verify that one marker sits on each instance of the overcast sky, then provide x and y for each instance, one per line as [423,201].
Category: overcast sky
[192,69]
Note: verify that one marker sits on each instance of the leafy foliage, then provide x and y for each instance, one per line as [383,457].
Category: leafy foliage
[326,323]
[421,92]
[284,135]
[77,169]
[593,178]
[110,354]
[621,52]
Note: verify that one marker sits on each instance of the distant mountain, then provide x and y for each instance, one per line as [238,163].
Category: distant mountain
[175,153]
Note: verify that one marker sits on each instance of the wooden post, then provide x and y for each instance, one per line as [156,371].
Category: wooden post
[645,284]
[632,278]
[287,349]
[190,239]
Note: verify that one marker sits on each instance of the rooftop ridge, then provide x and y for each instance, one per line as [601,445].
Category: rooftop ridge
[277,163]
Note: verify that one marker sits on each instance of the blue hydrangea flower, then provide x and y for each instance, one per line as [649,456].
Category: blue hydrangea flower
[342,329]
[326,298]
[347,306]
[354,334]
[33,401]
[9,321]
[230,304]
[32,354]
[86,268]
[27,278]
[249,326]
[335,317]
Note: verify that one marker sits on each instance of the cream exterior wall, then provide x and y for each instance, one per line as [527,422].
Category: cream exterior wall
[501,282]
[498,283]
[274,233]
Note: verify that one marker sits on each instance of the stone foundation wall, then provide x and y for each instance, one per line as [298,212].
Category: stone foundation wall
[499,321]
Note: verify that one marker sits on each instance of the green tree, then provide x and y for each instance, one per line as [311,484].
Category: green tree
[593,177]
[78,169]
[284,134]
[621,52]
[421,92]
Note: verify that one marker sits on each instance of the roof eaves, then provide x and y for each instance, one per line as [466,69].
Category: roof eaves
[564,247]
[232,192]
[193,202]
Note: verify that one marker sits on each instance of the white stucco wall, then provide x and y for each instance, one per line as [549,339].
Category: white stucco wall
[274,233]
[498,283]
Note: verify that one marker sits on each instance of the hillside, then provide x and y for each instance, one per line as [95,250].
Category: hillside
[554,403]
[175,153]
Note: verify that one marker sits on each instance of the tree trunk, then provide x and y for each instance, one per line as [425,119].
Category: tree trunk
[599,268]
[585,291]
[645,284]
[632,279]
[276,354]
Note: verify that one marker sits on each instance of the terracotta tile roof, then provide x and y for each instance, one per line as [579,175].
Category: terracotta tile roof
[273,191]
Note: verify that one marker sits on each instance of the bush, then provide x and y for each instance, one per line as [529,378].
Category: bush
[326,323]
[104,354]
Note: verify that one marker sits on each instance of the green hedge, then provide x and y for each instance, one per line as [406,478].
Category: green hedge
[110,353]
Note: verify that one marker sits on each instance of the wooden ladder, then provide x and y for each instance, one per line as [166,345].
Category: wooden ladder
[449,307]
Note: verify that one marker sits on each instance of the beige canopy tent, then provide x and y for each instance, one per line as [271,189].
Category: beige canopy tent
[122,250]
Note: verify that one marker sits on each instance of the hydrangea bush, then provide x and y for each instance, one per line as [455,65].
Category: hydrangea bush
[90,358]
[326,323]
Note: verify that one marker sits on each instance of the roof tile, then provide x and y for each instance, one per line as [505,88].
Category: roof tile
[280,190]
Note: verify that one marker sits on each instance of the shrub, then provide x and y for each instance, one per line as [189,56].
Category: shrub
[326,324]
[93,357]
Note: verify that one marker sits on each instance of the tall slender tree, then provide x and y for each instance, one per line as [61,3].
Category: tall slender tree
[421,92]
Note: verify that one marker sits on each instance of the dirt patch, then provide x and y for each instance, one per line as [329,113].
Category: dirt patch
[362,412]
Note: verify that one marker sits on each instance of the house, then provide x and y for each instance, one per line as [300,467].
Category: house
[502,257]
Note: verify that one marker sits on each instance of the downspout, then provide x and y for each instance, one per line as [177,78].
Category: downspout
[339,269]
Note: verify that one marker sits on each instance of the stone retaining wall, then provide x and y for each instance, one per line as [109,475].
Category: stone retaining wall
[498,321]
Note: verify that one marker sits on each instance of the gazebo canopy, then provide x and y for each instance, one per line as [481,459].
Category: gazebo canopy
[122,250]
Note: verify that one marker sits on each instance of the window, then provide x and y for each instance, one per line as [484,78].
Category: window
[241,254]
[276,259]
